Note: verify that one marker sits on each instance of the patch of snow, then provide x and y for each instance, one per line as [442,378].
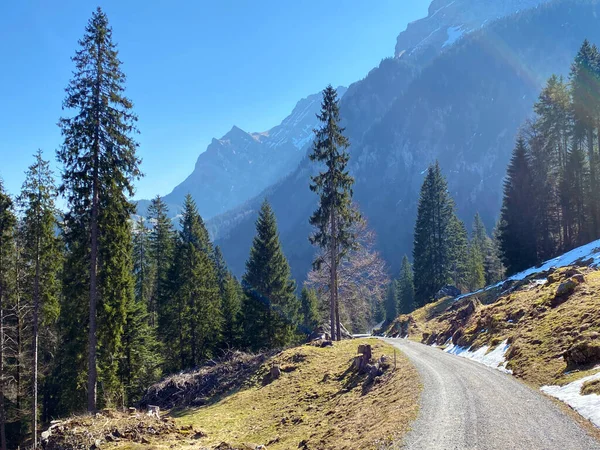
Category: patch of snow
[586,405]
[589,251]
[494,359]
[454,34]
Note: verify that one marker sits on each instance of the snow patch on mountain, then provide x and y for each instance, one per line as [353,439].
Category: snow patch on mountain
[454,34]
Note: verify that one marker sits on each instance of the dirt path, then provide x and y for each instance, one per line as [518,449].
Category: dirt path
[466,405]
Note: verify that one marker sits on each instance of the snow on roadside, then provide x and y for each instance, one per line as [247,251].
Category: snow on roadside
[494,359]
[586,405]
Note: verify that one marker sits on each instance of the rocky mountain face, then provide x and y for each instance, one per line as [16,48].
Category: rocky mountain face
[240,165]
[448,20]
[464,107]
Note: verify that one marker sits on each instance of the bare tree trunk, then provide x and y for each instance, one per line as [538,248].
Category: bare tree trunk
[332,279]
[2,412]
[36,307]
[93,338]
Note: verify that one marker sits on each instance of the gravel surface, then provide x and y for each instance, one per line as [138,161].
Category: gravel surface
[466,405]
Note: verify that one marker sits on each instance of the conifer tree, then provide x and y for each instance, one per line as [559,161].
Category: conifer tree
[41,255]
[585,92]
[488,249]
[406,288]
[475,268]
[459,252]
[195,316]
[309,309]
[100,164]
[391,302]
[517,221]
[142,262]
[271,308]
[7,229]
[432,246]
[161,248]
[334,217]
[576,200]
[231,301]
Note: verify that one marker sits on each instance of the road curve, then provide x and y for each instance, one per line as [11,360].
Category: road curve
[466,405]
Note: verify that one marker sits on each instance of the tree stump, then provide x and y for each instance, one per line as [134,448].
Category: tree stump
[275,371]
[366,350]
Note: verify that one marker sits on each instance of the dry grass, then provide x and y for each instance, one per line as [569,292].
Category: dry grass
[539,327]
[591,387]
[318,403]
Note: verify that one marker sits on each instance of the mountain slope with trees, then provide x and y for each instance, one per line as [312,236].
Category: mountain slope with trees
[464,109]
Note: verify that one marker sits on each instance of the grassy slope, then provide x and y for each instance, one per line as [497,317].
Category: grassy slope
[538,327]
[317,400]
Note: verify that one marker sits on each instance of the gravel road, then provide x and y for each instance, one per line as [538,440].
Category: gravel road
[466,405]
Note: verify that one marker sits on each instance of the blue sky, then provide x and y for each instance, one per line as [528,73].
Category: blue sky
[194,68]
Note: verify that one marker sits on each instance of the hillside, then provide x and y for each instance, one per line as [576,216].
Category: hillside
[541,325]
[319,402]
[464,109]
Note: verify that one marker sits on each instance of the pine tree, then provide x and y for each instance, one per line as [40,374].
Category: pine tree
[309,305]
[391,302]
[488,248]
[432,246]
[406,288]
[517,221]
[271,308]
[194,318]
[41,255]
[161,248]
[334,217]
[459,252]
[231,304]
[142,262]
[475,268]
[100,164]
[575,200]
[585,92]
[7,228]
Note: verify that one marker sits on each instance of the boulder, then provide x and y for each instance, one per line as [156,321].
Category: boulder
[447,291]
[324,332]
[583,353]
[563,290]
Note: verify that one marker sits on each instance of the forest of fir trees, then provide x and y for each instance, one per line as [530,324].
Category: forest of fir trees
[97,303]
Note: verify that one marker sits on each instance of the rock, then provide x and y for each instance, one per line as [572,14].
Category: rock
[324,332]
[46,435]
[566,287]
[447,291]
[583,353]
[579,277]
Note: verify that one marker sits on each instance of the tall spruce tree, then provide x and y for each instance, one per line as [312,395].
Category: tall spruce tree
[41,260]
[161,248]
[100,164]
[406,288]
[231,305]
[576,200]
[459,252]
[8,223]
[517,220]
[195,315]
[432,245]
[271,308]
[334,217]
